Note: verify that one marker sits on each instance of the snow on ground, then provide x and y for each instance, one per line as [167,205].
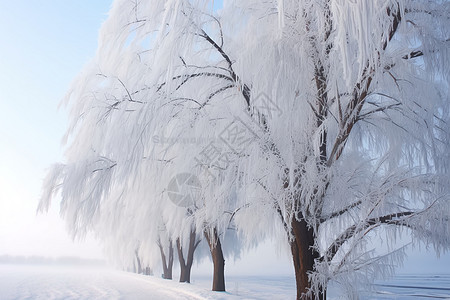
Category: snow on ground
[252,287]
[21,282]
[38,282]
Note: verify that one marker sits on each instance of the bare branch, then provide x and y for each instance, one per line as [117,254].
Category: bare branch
[215,93]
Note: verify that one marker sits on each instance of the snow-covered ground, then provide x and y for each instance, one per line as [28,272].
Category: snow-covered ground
[53,282]
[50,282]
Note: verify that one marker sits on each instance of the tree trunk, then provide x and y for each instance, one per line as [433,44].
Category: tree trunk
[139,267]
[186,265]
[218,260]
[148,271]
[167,264]
[303,255]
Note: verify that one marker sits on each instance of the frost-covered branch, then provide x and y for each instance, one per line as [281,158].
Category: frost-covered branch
[340,212]
[235,78]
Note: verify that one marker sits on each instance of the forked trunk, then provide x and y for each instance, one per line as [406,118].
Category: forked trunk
[167,263]
[218,260]
[303,255]
[186,265]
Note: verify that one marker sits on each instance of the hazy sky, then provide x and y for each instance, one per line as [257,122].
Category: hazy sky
[44,45]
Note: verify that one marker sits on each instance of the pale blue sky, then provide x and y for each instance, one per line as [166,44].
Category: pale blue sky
[44,45]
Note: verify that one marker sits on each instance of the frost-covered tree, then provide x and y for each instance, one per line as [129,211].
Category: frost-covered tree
[327,119]
[114,178]
[360,148]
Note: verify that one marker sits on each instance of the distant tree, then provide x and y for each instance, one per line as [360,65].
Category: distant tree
[329,119]
[148,271]
[138,262]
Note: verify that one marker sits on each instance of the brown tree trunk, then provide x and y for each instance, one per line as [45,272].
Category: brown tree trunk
[303,255]
[218,260]
[167,264]
[186,265]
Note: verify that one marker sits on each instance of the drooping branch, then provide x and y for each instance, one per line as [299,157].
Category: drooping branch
[218,24]
[234,212]
[215,93]
[185,99]
[130,98]
[186,78]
